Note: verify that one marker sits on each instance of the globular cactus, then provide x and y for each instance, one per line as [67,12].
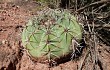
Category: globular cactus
[49,35]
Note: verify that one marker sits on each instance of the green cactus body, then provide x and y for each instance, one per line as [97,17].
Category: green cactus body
[49,35]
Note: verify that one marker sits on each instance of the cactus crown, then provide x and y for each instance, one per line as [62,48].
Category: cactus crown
[49,35]
[51,3]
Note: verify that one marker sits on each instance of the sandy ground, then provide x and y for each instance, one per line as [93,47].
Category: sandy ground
[13,56]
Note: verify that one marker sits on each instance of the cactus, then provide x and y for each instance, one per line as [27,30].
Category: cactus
[48,36]
[50,3]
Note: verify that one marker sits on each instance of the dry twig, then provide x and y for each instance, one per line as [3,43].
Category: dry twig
[95,3]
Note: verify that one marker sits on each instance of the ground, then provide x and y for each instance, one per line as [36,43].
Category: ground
[13,17]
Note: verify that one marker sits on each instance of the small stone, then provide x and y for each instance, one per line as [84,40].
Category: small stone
[4,41]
